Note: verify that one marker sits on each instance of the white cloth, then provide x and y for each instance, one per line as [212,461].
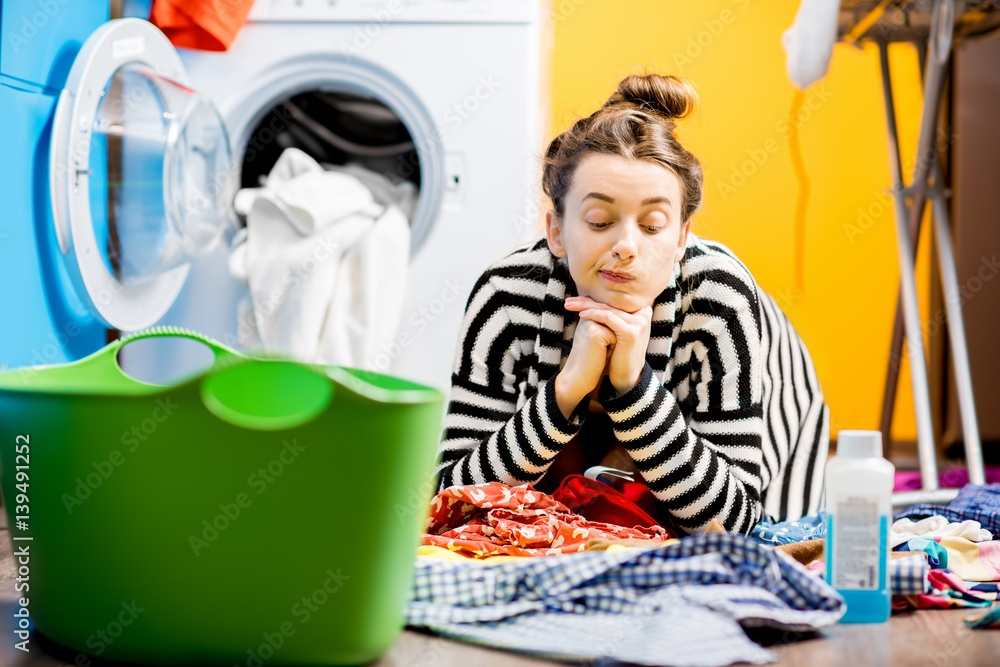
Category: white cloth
[936,526]
[402,193]
[809,41]
[325,260]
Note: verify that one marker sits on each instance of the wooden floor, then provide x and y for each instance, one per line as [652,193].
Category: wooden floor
[914,639]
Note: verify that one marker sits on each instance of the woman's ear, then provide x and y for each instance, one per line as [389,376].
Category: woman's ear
[553,233]
[682,240]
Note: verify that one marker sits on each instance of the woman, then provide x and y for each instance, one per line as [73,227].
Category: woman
[623,338]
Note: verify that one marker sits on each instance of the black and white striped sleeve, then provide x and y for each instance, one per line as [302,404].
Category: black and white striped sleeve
[707,464]
[486,436]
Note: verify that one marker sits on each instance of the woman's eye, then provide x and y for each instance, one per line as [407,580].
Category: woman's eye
[598,225]
[653,229]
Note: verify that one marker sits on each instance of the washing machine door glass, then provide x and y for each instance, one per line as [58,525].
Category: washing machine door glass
[161,146]
[140,170]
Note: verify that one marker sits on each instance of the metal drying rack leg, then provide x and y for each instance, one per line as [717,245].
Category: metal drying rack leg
[936,60]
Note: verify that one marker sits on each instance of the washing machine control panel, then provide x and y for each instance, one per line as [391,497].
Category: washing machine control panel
[403,11]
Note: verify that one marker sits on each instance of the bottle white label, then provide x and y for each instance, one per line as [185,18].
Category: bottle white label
[856,543]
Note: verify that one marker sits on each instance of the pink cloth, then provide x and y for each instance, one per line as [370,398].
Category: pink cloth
[952,478]
[947,591]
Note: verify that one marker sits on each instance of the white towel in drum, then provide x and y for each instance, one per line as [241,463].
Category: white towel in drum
[325,258]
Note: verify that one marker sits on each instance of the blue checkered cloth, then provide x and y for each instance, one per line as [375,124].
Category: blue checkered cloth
[908,575]
[680,604]
[979,502]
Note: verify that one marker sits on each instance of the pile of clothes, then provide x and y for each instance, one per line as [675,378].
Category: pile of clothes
[514,568]
[956,553]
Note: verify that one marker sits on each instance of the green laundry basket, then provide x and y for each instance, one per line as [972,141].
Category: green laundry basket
[260,513]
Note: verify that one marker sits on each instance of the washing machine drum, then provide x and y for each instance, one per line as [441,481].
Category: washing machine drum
[140,171]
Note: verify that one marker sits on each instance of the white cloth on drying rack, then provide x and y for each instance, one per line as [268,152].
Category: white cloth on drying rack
[809,41]
[325,258]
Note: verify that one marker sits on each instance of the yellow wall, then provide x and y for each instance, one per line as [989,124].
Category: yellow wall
[731,49]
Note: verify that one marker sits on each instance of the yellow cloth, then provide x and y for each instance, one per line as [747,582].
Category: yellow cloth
[441,553]
[963,559]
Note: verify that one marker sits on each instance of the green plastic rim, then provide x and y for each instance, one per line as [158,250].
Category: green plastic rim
[287,395]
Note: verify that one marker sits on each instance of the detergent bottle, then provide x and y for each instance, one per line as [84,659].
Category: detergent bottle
[858,505]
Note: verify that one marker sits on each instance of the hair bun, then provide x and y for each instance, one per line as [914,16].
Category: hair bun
[670,95]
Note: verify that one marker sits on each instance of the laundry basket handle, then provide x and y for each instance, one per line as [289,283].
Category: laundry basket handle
[222,352]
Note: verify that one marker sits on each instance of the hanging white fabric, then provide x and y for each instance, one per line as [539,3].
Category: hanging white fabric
[325,257]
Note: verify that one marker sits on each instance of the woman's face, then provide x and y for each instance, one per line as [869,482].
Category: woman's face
[622,230]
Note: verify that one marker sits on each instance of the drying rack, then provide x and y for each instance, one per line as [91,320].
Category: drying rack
[933,26]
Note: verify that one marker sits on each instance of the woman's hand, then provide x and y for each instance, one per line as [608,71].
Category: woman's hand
[631,334]
[593,344]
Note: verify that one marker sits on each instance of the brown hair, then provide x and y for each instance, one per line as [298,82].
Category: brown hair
[637,122]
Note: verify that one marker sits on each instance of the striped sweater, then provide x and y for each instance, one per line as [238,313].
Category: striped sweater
[727,419]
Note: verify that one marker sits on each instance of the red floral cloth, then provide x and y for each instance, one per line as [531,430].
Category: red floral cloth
[493,519]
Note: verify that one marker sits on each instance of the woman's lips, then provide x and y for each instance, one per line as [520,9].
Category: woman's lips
[617,278]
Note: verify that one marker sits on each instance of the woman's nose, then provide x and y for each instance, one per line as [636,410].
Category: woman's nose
[625,247]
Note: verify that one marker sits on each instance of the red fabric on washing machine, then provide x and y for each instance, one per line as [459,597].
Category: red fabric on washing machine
[493,519]
[208,25]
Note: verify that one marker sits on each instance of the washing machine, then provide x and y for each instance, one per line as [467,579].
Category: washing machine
[106,179]
[446,94]
[458,81]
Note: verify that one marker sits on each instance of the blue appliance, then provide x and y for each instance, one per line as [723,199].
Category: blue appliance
[114,177]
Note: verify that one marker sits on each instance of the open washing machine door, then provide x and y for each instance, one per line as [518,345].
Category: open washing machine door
[139,174]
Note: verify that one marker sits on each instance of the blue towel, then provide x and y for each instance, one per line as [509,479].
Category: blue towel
[808,527]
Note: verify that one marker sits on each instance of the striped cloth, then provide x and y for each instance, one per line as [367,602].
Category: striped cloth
[683,603]
[727,419]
